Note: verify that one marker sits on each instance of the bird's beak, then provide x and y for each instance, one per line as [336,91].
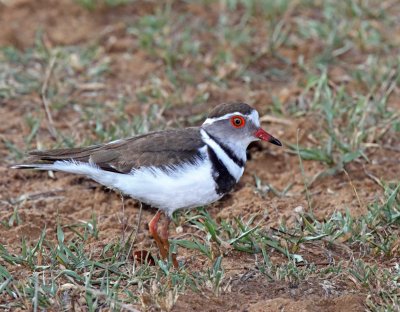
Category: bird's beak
[265,136]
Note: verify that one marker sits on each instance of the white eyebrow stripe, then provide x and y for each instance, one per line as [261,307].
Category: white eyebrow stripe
[255,118]
[211,120]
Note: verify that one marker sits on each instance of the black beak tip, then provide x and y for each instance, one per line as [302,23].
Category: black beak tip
[275,141]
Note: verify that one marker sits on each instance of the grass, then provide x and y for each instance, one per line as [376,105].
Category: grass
[339,86]
[93,4]
[108,276]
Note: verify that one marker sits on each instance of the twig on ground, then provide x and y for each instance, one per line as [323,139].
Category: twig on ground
[272,119]
[392,148]
[306,185]
[35,196]
[373,178]
[137,229]
[49,70]
[354,188]
[122,220]
[98,293]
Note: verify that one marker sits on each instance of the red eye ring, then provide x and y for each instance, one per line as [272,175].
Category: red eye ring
[238,121]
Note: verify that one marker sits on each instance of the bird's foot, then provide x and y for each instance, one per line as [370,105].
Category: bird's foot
[161,239]
[165,241]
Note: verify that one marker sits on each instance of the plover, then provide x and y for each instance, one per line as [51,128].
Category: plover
[170,169]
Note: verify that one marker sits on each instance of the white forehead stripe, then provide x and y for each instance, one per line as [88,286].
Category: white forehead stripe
[227,116]
[253,116]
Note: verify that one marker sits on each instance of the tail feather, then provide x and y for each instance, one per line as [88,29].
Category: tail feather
[33,166]
[77,153]
[70,166]
[46,160]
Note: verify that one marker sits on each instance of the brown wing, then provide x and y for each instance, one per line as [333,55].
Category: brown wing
[162,148]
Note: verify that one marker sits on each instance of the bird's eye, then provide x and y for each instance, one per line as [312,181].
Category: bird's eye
[237,121]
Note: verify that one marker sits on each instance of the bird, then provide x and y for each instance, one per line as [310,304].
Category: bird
[169,169]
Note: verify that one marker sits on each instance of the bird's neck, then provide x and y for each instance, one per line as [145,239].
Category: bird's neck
[235,150]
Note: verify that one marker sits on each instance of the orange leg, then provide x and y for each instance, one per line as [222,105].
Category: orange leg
[162,242]
[165,242]
[153,231]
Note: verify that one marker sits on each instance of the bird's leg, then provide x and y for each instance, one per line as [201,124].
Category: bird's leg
[153,231]
[164,240]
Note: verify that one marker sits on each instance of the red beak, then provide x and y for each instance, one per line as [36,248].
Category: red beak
[265,136]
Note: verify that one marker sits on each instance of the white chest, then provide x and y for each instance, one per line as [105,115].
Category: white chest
[187,186]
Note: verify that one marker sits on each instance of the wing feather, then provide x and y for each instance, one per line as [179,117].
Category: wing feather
[163,148]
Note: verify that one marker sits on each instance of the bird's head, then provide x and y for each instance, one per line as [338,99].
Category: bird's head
[237,124]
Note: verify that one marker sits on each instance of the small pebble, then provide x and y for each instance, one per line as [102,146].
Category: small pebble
[299,209]
[179,230]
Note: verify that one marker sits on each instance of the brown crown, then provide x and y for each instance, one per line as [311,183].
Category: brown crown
[230,107]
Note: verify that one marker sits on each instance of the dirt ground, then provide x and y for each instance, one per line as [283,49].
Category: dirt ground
[67,199]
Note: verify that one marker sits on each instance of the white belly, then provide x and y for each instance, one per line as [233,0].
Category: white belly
[188,186]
